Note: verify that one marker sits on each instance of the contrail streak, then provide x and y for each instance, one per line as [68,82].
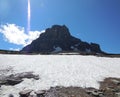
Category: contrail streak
[28,28]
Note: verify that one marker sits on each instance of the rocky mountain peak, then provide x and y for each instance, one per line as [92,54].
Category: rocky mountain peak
[58,39]
[56,32]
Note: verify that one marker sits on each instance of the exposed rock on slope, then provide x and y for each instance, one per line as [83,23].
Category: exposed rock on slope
[58,39]
[14,79]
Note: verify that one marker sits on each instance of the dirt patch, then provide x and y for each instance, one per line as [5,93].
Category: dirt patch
[67,92]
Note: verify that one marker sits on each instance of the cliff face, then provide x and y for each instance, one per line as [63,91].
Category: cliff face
[58,39]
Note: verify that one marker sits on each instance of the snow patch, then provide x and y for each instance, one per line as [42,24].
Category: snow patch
[57,49]
[58,70]
[77,44]
[88,50]
[74,48]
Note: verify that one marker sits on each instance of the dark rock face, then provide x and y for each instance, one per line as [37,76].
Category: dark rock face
[59,36]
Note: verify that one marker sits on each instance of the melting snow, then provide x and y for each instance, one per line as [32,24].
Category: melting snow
[77,44]
[58,70]
[57,49]
[88,50]
[74,48]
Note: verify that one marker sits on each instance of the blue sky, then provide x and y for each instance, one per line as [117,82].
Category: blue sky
[90,20]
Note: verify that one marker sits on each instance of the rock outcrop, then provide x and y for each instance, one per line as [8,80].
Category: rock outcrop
[58,39]
[14,79]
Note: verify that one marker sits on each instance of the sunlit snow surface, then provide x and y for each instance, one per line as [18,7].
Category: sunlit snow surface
[58,70]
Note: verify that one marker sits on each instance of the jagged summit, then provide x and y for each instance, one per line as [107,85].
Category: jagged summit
[56,32]
[58,39]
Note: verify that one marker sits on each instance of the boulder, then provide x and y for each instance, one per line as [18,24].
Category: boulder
[14,79]
[25,93]
[40,93]
[25,75]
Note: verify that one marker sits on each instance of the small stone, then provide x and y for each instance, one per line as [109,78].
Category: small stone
[95,93]
[116,82]
[37,77]
[72,96]
[25,93]
[117,94]
[32,96]
[40,93]
[11,95]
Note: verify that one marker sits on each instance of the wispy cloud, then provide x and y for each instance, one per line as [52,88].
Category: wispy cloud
[16,35]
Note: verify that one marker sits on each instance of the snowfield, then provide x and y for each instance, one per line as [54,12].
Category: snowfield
[58,70]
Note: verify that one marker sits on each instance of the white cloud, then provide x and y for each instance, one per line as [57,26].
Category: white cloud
[33,35]
[16,34]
